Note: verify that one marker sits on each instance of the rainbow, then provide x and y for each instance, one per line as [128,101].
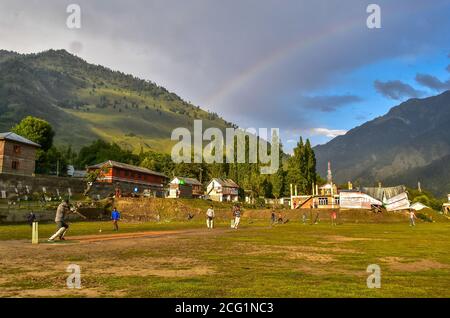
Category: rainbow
[273,59]
[296,47]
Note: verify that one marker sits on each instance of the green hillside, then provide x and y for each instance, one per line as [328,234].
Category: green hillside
[85,102]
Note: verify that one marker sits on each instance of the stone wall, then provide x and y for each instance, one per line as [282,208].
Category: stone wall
[20,216]
[153,209]
[10,185]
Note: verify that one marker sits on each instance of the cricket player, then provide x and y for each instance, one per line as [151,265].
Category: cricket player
[62,226]
[210,217]
[115,216]
[237,216]
[412,217]
[333,218]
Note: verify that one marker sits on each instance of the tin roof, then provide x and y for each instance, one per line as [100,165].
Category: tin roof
[115,164]
[226,182]
[17,138]
[189,180]
[378,193]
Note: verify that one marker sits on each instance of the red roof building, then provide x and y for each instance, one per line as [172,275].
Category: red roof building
[122,173]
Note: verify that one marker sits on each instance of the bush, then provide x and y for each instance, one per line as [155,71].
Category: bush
[424,217]
[426,198]
[260,203]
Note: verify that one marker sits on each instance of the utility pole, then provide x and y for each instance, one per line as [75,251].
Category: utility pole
[201,174]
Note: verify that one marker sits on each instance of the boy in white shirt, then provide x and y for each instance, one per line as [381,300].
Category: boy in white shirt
[412,217]
[210,217]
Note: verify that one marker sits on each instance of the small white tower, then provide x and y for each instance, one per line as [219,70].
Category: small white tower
[329,174]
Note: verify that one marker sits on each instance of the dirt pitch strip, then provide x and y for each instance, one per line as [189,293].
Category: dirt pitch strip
[121,236]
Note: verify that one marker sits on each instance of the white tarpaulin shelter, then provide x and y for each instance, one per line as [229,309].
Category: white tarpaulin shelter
[418,206]
[349,199]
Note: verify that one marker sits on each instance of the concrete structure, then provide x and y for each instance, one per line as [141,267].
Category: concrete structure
[72,172]
[223,190]
[17,154]
[125,177]
[13,187]
[329,196]
[324,197]
[181,187]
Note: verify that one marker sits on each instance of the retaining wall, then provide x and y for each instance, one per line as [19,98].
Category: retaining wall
[153,209]
[10,185]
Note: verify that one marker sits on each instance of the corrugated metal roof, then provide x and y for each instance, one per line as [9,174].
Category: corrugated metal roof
[226,183]
[190,180]
[379,193]
[115,164]
[17,138]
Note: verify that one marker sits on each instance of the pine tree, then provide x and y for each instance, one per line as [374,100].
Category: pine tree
[302,167]
[311,175]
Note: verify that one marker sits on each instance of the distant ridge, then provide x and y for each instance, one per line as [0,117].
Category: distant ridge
[410,143]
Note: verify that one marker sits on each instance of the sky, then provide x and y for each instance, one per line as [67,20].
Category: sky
[310,68]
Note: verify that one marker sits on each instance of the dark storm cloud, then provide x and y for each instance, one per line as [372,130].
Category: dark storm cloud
[396,90]
[328,103]
[246,60]
[432,82]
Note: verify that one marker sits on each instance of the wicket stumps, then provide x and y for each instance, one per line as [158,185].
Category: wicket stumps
[35,233]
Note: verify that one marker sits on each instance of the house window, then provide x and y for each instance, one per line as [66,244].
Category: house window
[15,165]
[17,149]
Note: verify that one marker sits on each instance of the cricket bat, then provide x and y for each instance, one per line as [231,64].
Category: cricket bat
[75,211]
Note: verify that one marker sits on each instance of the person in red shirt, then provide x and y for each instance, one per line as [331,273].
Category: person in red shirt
[333,218]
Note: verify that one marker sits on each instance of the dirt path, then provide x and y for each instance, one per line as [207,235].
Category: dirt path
[145,234]
[119,236]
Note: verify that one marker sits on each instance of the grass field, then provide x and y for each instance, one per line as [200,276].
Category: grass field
[290,260]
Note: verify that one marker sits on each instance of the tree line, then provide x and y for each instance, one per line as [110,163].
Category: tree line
[298,168]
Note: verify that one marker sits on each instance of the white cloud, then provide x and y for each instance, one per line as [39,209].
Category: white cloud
[332,133]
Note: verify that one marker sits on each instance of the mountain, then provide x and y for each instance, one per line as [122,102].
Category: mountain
[410,143]
[435,177]
[85,102]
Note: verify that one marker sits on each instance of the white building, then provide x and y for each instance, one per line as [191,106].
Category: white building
[223,190]
[446,206]
[182,187]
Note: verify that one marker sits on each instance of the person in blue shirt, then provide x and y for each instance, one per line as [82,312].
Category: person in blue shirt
[115,216]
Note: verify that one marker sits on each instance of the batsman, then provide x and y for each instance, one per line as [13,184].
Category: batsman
[61,212]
